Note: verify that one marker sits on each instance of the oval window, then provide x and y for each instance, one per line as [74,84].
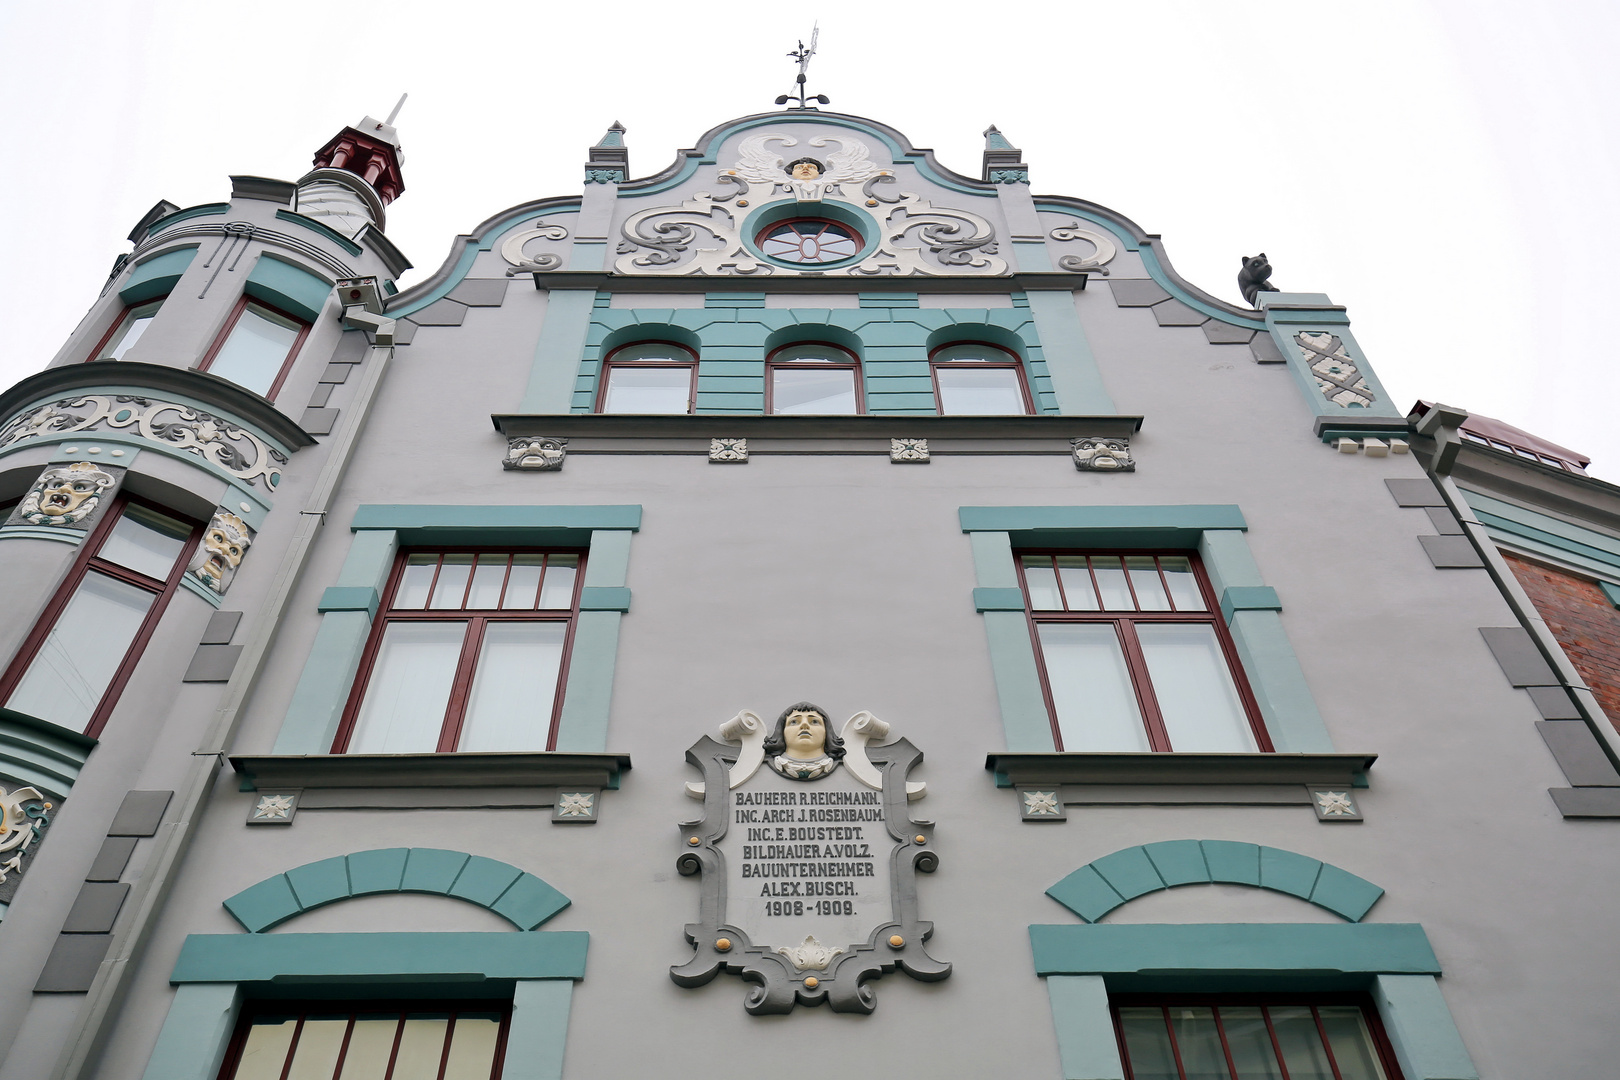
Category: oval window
[808,241]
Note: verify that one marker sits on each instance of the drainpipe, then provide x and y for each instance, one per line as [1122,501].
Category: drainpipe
[174,838]
[1440,423]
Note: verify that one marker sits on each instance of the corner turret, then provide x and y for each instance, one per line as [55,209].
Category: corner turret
[357,174]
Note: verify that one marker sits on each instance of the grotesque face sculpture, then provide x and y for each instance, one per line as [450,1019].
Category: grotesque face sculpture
[224,542]
[65,495]
[806,733]
[805,169]
[1103,455]
[545,455]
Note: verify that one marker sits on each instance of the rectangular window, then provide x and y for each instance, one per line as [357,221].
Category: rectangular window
[649,377]
[469,653]
[335,1040]
[71,669]
[1247,1037]
[256,348]
[126,331]
[1135,657]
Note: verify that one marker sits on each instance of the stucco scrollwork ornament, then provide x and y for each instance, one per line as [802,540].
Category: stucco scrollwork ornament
[1334,805]
[24,813]
[535,454]
[908,451]
[810,177]
[66,496]
[1335,370]
[808,858]
[224,542]
[512,250]
[728,451]
[1102,455]
[1102,253]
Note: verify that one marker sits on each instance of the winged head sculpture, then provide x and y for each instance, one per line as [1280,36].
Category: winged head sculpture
[810,177]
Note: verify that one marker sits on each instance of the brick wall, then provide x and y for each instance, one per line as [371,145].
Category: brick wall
[1583,621]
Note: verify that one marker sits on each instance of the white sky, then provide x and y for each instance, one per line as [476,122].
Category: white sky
[1445,168]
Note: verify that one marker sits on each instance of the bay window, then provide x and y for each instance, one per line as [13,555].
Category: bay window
[256,348]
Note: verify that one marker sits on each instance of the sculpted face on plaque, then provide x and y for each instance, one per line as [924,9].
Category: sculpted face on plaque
[802,746]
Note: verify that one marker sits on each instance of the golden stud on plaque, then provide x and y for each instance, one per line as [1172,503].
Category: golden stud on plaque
[693,840]
[921,839]
[897,942]
[811,983]
[723,945]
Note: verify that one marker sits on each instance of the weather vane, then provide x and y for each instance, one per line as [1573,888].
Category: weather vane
[803,55]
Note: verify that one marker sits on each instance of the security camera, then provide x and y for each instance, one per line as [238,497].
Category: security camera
[360,292]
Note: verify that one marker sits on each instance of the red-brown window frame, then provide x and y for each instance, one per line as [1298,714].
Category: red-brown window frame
[608,364]
[355,1008]
[772,365]
[123,315]
[234,317]
[848,230]
[88,559]
[1375,1025]
[467,665]
[1013,361]
[1124,624]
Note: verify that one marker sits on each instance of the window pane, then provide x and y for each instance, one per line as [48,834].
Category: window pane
[487,579]
[812,354]
[1351,1042]
[371,1044]
[421,1047]
[1178,573]
[472,1048]
[510,704]
[264,1055]
[409,689]
[1116,595]
[145,541]
[1199,1043]
[454,571]
[252,356]
[1199,703]
[524,582]
[414,583]
[1147,1043]
[559,587]
[318,1047]
[134,326]
[1077,587]
[1091,688]
[1250,1043]
[648,390]
[72,669]
[990,392]
[796,390]
[1150,594]
[1041,582]
[1301,1044]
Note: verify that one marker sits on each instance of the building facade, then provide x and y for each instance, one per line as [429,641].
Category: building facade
[803,610]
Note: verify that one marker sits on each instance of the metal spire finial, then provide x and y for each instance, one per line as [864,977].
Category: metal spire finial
[803,55]
[398,106]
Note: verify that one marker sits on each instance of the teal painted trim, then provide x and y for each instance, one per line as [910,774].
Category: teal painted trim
[582,728]
[888,300]
[604,599]
[291,288]
[1232,949]
[993,565]
[539,1030]
[192,585]
[236,958]
[1248,598]
[315,226]
[734,300]
[608,563]
[370,558]
[196,1032]
[1024,719]
[1228,560]
[312,716]
[557,351]
[521,898]
[41,754]
[186,215]
[403,517]
[998,599]
[1033,518]
[1285,699]
[1284,324]
[1087,1046]
[156,276]
[1594,552]
[42,532]
[1104,884]
[1611,593]
[1076,380]
[1420,1028]
[350,598]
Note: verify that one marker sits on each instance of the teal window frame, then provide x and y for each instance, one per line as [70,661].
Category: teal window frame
[1250,608]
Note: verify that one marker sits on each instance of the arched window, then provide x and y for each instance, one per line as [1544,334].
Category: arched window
[813,378]
[975,379]
[649,377]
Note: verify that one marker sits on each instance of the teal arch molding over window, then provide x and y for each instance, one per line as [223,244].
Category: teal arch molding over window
[1216,532]
[1104,884]
[520,898]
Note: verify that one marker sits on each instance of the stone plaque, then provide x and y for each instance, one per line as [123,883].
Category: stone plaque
[808,856]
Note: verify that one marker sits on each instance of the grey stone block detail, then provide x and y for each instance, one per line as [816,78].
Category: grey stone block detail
[1589,802]
[95,908]
[212,663]
[111,859]
[1414,492]
[221,627]
[72,965]
[1137,292]
[1553,703]
[337,373]
[1220,333]
[1265,350]
[1515,650]
[140,814]
[444,312]
[1444,521]
[480,292]
[1578,753]
[319,421]
[404,331]
[322,394]
[1451,552]
[1175,313]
